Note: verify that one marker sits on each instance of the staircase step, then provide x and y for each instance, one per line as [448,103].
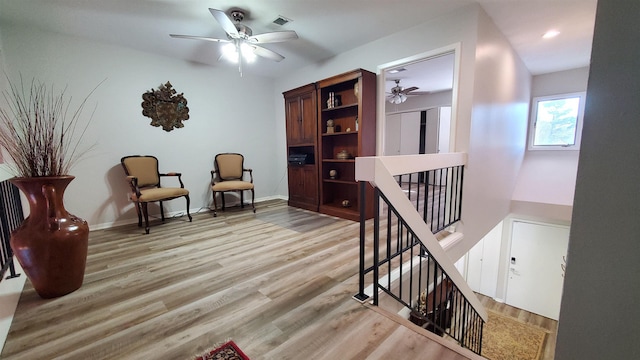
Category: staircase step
[450,239]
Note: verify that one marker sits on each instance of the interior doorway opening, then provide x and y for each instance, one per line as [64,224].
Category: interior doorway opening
[423,121]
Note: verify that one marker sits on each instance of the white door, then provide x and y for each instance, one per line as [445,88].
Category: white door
[535,276]
[410,133]
[392,135]
[432,132]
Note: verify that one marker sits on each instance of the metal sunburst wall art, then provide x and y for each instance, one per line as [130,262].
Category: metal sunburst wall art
[165,107]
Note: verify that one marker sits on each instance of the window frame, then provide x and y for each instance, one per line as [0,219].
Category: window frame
[533,119]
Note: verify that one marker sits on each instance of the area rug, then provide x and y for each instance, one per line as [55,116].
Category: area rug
[227,351]
[507,338]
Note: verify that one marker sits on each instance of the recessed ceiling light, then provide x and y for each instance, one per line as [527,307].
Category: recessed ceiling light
[397,70]
[551,34]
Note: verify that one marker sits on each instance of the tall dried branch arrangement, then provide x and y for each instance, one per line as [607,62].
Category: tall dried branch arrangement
[39,132]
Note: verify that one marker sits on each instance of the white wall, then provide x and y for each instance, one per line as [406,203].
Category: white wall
[220,118]
[497,134]
[549,177]
[560,82]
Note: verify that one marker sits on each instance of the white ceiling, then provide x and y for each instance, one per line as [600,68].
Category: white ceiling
[325,28]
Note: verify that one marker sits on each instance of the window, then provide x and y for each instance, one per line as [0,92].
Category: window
[556,122]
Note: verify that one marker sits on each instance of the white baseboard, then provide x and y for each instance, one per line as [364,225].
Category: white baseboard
[130,221]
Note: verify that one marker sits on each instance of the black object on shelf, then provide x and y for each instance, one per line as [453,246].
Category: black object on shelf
[300,159]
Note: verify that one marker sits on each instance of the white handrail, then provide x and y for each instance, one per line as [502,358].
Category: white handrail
[379,171]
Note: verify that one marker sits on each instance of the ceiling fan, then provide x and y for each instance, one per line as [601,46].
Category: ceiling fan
[241,43]
[399,94]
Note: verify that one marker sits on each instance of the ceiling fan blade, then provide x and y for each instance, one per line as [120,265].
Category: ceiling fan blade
[225,22]
[413,88]
[269,54]
[272,37]
[198,38]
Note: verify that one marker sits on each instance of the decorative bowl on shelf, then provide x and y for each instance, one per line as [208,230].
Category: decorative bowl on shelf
[346,203]
[343,155]
[333,173]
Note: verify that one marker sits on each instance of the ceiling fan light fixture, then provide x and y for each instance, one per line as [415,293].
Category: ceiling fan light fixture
[398,98]
[247,53]
[230,52]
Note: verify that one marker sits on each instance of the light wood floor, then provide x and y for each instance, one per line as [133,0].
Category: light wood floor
[279,283]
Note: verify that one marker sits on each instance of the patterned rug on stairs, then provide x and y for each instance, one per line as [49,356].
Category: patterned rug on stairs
[507,338]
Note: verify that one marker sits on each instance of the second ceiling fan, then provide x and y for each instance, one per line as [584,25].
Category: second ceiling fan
[399,94]
[240,39]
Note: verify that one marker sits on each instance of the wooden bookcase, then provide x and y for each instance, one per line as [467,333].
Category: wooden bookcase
[307,111]
[302,138]
[354,100]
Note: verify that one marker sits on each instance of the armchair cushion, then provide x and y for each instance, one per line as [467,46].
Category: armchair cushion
[232,185]
[157,194]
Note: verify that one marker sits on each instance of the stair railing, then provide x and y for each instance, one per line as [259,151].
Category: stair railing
[420,195]
[11,217]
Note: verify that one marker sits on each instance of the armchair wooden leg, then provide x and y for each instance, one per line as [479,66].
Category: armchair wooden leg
[161,211]
[188,204]
[139,211]
[215,205]
[242,199]
[253,197]
[222,197]
[146,217]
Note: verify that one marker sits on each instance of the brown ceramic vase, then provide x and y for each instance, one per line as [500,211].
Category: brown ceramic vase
[51,244]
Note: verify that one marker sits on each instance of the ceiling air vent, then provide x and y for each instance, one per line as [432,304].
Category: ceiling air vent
[281,20]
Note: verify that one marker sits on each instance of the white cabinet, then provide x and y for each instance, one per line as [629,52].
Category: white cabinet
[484,261]
[404,132]
[392,135]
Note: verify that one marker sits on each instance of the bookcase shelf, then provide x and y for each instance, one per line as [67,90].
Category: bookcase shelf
[354,120]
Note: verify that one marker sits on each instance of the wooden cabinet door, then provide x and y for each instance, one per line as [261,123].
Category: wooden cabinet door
[303,187]
[294,121]
[301,118]
[308,111]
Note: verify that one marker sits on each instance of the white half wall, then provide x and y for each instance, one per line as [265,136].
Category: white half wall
[547,177]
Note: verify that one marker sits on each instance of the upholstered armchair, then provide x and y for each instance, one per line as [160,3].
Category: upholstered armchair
[228,175]
[144,178]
